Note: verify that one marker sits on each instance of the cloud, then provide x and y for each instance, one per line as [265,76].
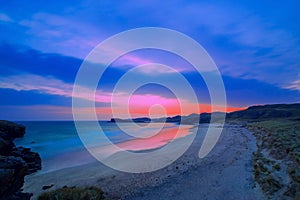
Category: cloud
[255,45]
[135,52]
[295,85]
[27,82]
[234,33]
[154,70]
[45,90]
[138,103]
[5,18]
[31,97]
[24,60]
[52,86]
[61,34]
[35,112]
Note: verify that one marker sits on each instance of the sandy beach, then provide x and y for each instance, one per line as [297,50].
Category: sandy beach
[226,173]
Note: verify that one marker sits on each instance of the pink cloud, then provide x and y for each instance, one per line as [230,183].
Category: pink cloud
[134,59]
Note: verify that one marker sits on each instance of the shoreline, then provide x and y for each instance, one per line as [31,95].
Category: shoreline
[227,170]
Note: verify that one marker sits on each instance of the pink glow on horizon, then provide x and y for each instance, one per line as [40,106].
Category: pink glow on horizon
[154,105]
[169,110]
[209,108]
[48,112]
[138,105]
[148,100]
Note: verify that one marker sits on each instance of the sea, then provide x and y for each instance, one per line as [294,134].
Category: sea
[60,146]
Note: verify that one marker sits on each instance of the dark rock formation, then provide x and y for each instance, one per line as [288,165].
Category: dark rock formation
[32,159]
[11,130]
[5,146]
[15,162]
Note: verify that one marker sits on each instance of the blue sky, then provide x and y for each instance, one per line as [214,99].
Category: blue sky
[255,44]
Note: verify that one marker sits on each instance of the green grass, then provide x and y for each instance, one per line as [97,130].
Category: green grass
[281,138]
[73,193]
[263,173]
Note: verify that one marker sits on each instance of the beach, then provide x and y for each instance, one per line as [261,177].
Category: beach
[225,173]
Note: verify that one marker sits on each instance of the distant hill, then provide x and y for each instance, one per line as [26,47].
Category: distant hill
[189,119]
[253,113]
[137,120]
[264,112]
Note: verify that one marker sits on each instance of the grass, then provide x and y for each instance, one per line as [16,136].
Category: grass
[73,193]
[263,173]
[281,139]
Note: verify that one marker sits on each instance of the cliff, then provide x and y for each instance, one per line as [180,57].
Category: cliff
[15,162]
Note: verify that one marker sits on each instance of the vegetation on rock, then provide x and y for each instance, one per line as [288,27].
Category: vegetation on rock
[73,193]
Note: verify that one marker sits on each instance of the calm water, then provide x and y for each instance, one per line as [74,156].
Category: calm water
[60,146]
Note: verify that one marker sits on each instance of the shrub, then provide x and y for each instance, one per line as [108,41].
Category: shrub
[73,193]
[276,167]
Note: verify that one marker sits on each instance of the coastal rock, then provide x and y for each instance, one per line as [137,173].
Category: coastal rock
[32,159]
[15,162]
[11,129]
[12,172]
[6,146]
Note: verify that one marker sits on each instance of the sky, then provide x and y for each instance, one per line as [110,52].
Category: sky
[255,45]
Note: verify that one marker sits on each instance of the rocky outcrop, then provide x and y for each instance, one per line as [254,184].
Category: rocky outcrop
[10,130]
[15,162]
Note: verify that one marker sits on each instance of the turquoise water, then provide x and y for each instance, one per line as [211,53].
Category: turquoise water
[60,146]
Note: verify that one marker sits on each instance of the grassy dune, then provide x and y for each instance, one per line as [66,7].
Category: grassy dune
[276,163]
[277,160]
